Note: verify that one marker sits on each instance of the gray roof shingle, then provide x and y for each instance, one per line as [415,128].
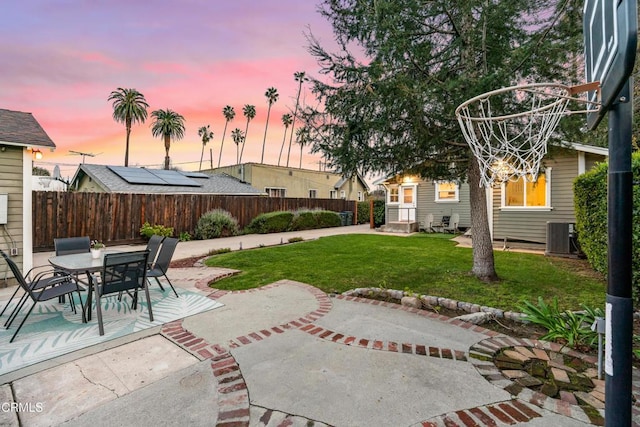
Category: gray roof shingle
[18,128]
[110,182]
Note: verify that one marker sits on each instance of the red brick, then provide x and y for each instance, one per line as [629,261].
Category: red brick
[225,371]
[205,353]
[500,415]
[223,363]
[255,336]
[525,409]
[325,334]
[429,424]
[287,422]
[466,419]
[434,352]
[378,345]
[199,346]
[233,424]
[186,339]
[306,327]
[296,323]
[337,337]
[277,330]
[231,389]
[244,340]
[513,412]
[446,353]
[231,379]
[392,346]
[563,408]
[407,348]
[448,422]
[420,349]
[482,416]
[363,342]
[460,355]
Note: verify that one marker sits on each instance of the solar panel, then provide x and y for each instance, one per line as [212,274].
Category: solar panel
[153,176]
[195,174]
[136,175]
[172,177]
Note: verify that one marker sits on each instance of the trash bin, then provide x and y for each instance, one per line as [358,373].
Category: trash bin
[343,218]
[349,217]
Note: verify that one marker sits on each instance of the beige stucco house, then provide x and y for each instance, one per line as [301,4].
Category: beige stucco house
[281,181]
[21,139]
[518,211]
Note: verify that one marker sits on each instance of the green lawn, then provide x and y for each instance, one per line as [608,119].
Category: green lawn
[426,264]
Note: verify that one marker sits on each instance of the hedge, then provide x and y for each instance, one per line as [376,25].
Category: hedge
[378,212]
[270,222]
[216,223]
[590,200]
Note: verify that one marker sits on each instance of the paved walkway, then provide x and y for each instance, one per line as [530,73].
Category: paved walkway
[285,354]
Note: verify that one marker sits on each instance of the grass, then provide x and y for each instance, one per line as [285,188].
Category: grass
[425,264]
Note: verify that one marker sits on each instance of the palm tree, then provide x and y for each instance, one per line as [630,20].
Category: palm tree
[228,114]
[302,136]
[272,96]
[206,135]
[300,77]
[167,124]
[129,106]
[238,138]
[249,111]
[286,121]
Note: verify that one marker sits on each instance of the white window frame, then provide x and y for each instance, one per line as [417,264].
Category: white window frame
[333,194]
[456,198]
[546,208]
[313,193]
[395,188]
[281,190]
[360,196]
[343,194]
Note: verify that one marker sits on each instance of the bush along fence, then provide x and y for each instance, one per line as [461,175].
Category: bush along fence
[116,218]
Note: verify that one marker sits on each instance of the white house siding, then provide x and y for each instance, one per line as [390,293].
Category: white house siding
[531,225]
[11,176]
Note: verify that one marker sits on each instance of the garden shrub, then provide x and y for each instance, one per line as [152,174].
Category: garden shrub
[378,213]
[216,223]
[270,222]
[363,212]
[590,200]
[304,220]
[147,230]
[325,219]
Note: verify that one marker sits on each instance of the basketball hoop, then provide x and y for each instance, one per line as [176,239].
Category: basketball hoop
[510,143]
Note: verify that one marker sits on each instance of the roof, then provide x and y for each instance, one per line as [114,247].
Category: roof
[22,129]
[110,179]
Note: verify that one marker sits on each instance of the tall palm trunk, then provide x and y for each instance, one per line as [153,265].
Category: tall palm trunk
[222,143]
[244,141]
[201,157]
[126,150]
[295,113]
[167,145]
[284,138]
[264,140]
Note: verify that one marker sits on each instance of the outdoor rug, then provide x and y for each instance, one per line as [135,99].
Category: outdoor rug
[52,328]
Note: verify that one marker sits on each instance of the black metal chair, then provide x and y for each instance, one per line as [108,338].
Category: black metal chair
[161,264]
[153,246]
[123,272]
[72,245]
[44,286]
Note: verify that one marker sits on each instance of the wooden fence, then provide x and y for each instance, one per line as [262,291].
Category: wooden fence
[117,218]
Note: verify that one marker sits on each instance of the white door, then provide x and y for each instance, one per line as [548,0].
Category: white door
[408,202]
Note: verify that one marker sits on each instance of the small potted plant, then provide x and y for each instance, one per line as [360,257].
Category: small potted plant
[96,248]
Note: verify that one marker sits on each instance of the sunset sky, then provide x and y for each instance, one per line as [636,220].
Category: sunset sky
[62,58]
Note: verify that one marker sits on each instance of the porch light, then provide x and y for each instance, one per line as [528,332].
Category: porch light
[37,154]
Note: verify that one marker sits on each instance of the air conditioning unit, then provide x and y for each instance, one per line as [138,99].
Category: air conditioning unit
[562,239]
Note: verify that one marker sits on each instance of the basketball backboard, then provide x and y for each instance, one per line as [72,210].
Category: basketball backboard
[610,36]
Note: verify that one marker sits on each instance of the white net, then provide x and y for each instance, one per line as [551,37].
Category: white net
[508,142]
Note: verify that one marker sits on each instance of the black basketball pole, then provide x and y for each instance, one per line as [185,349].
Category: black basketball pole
[619,309]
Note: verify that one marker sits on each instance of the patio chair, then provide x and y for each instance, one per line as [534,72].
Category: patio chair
[72,245]
[427,226]
[161,264]
[452,226]
[123,272]
[153,246]
[45,285]
[442,225]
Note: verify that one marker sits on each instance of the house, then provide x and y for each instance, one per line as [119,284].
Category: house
[518,211]
[21,139]
[281,181]
[120,179]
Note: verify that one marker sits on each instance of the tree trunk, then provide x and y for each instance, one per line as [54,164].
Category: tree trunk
[483,261]
[126,149]
[167,145]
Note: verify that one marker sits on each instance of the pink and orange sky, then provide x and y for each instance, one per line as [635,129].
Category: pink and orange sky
[62,58]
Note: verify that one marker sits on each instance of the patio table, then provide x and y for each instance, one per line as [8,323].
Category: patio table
[84,263]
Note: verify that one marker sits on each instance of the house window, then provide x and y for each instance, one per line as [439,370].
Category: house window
[526,194]
[447,192]
[276,192]
[333,194]
[313,194]
[394,195]
[343,194]
[360,196]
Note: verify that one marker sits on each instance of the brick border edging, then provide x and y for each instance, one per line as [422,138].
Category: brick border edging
[509,412]
[233,394]
[489,347]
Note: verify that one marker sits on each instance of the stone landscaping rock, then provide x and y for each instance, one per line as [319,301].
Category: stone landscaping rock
[413,302]
[475,318]
[549,389]
[517,356]
[589,399]
[540,354]
[529,381]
